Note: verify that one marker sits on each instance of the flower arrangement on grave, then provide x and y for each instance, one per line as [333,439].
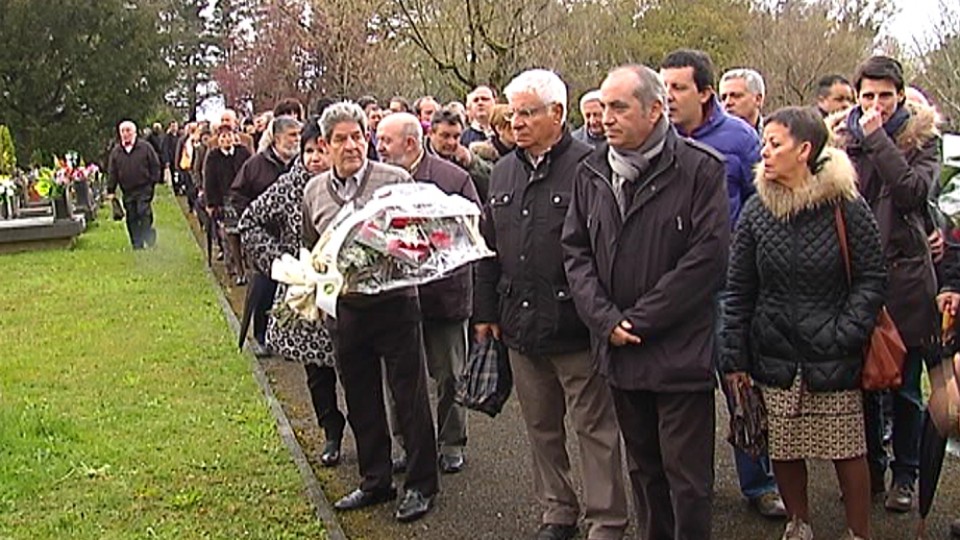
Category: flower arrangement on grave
[53,182]
[406,235]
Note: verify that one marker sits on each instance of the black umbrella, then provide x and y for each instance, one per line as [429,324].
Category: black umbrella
[933,447]
[254,290]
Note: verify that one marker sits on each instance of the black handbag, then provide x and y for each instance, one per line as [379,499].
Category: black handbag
[487,380]
[116,208]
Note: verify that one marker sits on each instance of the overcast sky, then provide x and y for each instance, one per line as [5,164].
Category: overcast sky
[914,21]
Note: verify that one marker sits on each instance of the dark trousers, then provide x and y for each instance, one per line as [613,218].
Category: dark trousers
[387,329]
[322,382]
[669,439]
[137,205]
[907,421]
[261,294]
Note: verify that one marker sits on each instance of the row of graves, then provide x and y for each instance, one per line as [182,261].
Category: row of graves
[49,206]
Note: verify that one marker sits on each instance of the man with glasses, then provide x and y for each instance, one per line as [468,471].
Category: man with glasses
[523,298]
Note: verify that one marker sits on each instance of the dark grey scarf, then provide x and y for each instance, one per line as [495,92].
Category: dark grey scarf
[629,165]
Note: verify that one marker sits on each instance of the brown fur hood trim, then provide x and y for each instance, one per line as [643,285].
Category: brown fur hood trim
[836,180]
[485,150]
[922,126]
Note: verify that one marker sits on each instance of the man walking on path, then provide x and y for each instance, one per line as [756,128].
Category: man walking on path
[374,330]
[135,167]
[646,241]
[446,304]
[524,299]
[696,113]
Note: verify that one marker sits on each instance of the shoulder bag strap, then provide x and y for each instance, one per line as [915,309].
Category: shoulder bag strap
[842,237]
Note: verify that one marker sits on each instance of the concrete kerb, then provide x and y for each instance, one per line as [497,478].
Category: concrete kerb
[315,494]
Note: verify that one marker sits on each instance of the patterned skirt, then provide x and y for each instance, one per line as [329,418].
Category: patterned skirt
[300,340]
[814,425]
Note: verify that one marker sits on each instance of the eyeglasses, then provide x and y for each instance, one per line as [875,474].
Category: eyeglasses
[525,113]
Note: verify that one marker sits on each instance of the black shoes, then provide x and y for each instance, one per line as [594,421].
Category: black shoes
[451,464]
[413,506]
[361,499]
[555,531]
[330,457]
[332,422]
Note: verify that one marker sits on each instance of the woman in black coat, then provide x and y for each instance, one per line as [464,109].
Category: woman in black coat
[793,323]
[220,167]
[271,227]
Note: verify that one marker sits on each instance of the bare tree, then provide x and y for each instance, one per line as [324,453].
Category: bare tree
[939,63]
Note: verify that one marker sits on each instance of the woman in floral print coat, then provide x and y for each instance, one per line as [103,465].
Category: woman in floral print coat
[271,227]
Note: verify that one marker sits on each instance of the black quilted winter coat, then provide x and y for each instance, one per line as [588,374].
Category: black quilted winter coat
[788,308]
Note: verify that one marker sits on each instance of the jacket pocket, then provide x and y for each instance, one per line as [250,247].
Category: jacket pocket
[566,321]
[560,200]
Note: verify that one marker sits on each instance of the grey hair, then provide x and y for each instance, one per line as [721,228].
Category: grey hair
[282,124]
[754,80]
[342,111]
[125,123]
[651,88]
[544,84]
[592,95]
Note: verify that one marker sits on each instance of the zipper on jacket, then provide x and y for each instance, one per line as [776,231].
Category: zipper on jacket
[793,296]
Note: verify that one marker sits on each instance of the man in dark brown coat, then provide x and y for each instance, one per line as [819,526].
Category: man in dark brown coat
[646,241]
[894,146]
[446,304]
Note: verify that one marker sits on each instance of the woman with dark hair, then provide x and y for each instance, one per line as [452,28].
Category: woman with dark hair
[271,227]
[220,167]
[795,322]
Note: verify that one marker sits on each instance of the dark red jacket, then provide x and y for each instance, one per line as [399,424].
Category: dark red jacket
[895,177]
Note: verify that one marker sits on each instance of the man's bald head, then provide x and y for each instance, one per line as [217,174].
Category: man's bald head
[400,139]
[229,117]
[128,132]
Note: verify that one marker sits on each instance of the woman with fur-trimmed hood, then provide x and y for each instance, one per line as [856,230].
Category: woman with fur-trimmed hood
[793,323]
[893,145]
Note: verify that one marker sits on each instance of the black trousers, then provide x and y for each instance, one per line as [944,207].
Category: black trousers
[322,382]
[363,334]
[261,294]
[669,439]
[138,207]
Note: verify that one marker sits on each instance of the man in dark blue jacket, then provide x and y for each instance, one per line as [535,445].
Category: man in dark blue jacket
[696,113]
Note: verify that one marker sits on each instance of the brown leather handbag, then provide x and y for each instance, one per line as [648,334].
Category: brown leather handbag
[884,354]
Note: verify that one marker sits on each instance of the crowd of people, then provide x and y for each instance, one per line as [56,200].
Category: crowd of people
[678,238]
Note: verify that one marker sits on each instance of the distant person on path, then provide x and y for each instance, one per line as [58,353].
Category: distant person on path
[374,331]
[135,167]
[523,297]
[795,324]
[645,241]
[271,226]
[222,166]
[591,132]
[742,92]
[834,94]
[479,105]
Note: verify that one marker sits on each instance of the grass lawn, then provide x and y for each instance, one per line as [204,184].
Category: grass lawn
[125,410]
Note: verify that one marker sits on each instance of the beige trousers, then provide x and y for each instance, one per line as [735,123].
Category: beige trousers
[547,388]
